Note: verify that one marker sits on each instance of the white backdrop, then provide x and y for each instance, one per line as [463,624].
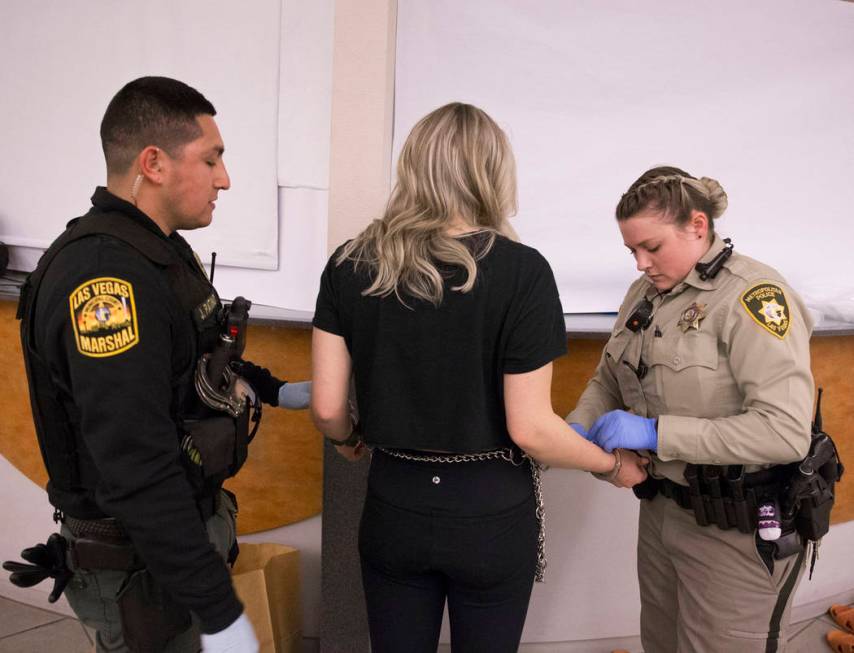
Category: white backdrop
[63,61]
[758,95]
[304,108]
[265,65]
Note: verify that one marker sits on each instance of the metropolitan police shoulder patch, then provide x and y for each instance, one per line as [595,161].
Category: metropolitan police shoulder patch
[103,314]
[766,304]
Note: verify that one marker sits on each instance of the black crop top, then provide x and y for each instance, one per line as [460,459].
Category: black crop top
[432,377]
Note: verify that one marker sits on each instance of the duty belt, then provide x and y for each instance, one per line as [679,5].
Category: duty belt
[96,528]
[725,497]
[99,544]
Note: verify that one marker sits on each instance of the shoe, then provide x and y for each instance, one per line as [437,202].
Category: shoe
[843,615]
[840,642]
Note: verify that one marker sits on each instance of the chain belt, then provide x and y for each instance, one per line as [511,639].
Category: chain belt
[506,455]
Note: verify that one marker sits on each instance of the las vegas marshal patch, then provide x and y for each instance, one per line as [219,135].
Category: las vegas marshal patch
[103,315]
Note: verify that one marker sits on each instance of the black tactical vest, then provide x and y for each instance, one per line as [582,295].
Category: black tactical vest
[72,475]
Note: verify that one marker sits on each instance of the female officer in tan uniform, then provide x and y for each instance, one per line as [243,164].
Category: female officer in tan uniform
[709,364]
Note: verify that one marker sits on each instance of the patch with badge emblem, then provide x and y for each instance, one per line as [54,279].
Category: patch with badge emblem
[766,304]
[103,314]
[206,308]
[692,317]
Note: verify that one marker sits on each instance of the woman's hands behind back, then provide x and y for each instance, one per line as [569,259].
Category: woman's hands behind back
[633,470]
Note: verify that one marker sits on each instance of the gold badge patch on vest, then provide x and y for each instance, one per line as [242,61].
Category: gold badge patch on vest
[766,304]
[103,314]
[692,316]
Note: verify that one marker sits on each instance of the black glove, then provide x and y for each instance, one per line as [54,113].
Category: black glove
[265,384]
[48,560]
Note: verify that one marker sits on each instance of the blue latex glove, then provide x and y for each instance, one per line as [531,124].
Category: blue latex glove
[580,430]
[295,396]
[621,430]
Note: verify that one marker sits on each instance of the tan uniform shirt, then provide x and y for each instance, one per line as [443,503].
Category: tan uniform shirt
[727,369]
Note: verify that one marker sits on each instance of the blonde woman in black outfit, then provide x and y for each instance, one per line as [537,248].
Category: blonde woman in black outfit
[449,327]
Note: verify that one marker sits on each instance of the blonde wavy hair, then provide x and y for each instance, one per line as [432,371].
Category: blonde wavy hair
[456,164]
[674,193]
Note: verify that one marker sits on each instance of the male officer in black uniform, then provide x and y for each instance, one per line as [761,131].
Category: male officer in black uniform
[115,319]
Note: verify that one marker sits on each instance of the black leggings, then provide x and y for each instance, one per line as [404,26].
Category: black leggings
[465,532]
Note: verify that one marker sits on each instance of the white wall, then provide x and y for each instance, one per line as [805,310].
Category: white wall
[63,62]
[266,66]
[757,95]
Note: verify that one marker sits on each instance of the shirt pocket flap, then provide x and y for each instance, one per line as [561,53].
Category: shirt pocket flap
[692,349]
[617,345]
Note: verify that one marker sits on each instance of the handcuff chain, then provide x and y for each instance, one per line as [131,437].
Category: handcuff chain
[507,456]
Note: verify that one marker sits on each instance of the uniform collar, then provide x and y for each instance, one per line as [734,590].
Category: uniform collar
[104,200]
[693,278]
